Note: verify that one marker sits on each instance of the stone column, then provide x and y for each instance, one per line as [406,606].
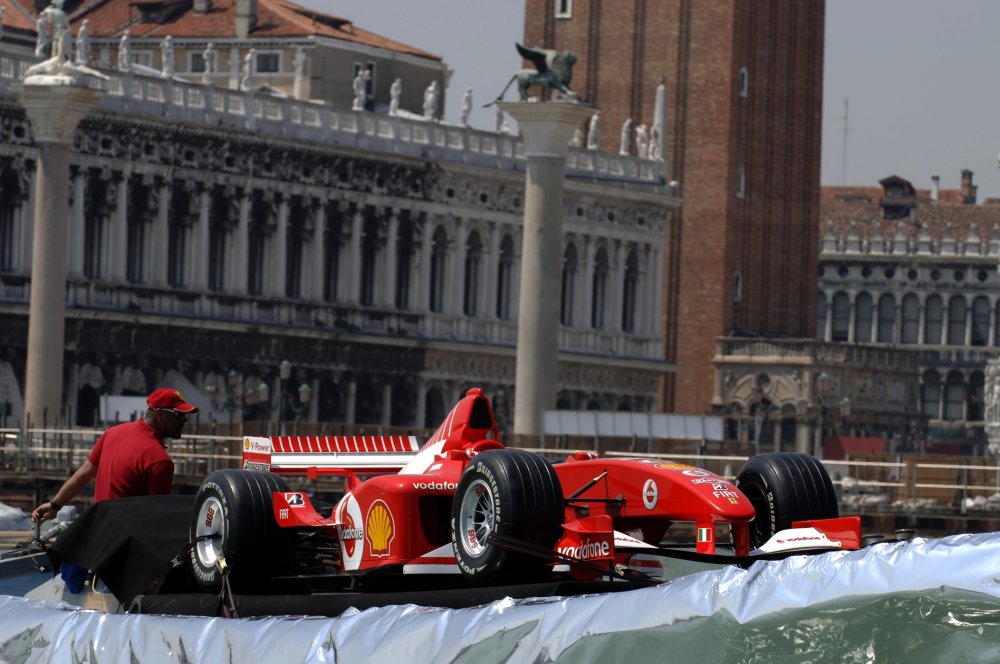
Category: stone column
[76,225]
[199,253]
[386,404]
[546,129]
[55,108]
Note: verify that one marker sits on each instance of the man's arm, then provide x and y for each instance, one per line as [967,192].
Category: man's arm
[66,492]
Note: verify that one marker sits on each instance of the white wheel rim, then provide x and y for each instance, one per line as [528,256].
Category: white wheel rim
[476,518]
[209,532]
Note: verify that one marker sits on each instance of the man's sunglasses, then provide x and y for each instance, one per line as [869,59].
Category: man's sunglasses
[173,412]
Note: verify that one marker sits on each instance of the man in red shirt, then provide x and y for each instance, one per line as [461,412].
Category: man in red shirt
[129,459]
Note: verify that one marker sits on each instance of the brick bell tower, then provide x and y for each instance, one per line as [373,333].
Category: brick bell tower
[745,90]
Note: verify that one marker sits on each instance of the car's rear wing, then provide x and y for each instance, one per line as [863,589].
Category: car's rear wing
[328,455]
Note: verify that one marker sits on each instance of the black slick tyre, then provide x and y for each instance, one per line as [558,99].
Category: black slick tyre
[784,487]
[234,519]
[512,493]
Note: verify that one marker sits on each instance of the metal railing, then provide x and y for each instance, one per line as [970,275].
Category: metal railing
[877,482]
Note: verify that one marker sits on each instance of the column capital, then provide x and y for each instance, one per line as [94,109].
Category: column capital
[56,110]
[547,127]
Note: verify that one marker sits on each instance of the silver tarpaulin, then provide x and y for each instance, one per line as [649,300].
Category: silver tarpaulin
[889,602]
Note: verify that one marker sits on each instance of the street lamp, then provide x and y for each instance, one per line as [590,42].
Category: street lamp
[824,387]
[284,373]
[305,396]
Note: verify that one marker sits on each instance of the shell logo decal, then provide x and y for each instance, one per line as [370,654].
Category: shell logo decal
[379,528]
[673,465]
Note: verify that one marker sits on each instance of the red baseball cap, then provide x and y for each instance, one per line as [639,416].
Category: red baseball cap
[168,397]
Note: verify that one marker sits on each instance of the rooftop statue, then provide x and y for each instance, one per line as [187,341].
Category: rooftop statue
[553,70]
[59,63]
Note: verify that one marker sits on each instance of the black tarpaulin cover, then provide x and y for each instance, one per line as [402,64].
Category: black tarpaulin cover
[129,544]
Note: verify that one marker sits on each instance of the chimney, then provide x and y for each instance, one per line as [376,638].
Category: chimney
[935,188]
[968,189]
[201,7]
[246,17]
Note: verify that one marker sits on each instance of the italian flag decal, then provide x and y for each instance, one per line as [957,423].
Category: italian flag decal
[705,534]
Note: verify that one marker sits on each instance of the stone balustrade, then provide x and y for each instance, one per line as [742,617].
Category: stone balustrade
[286,117]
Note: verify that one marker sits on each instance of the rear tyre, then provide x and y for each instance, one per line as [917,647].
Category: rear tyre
[784,487]
[234,519]
[511,493]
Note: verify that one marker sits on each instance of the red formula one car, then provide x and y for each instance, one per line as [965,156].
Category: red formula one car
[462,504]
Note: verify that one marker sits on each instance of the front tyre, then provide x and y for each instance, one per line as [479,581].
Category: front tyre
[512,493]
[784,487]
[234,519]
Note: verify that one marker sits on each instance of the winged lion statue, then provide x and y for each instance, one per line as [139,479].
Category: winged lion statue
[553,70]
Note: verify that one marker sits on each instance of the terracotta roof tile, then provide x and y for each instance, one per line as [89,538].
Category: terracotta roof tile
[18,16]
[843,206]
[275,19]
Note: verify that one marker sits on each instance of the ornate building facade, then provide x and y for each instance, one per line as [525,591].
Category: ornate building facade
[218,234]
[908,318]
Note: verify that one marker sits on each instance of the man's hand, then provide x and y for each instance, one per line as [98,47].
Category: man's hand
[43,512]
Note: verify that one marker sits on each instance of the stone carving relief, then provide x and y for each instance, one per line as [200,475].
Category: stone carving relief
[991,390]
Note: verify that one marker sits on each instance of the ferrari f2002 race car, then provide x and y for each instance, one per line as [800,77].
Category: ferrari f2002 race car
[463,504]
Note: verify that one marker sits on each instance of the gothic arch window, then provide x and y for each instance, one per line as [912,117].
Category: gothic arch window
[996,329]
[262,214]
[744,82]
[295,247]
[505,279]
[433,408]
[886,318]
[7,252]
[97,207]
[841,316]
[11,199]
[954,397]
[956,321]
[404,260]
[630,294]
[403,403]
[439,263]
[821,313]
[368,403]
[598,300]
[741,182]
[369,259]
[980,321]
[930,395]
[180,217]
[864,310]
[976,392]
[473,268]
[911,319]
[332,247]
[218,232]
[568,296]
[141,198]
[934,312]
[332,404]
